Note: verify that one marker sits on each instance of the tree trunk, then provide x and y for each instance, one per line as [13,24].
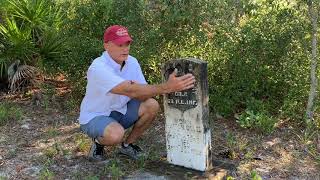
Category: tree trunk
[313,72]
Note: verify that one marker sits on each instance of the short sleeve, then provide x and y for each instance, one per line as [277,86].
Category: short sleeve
[103,78]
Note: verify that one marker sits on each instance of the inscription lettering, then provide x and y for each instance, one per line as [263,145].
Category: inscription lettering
[182,102]
[181,94]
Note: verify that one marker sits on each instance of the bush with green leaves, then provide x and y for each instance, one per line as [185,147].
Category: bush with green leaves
[31,33]
[266,59]
[260,51]
[255,49]
[256,116]
[259,121]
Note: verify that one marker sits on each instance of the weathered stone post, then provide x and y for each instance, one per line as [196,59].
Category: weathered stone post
[188,135]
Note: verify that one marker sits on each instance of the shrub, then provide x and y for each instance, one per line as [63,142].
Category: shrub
[262,57]
[259,121]
[31,33]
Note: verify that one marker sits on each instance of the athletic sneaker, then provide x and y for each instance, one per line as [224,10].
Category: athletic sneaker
[133,151]
[96,152]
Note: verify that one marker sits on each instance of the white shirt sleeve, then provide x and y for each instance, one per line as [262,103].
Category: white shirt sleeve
[103,79]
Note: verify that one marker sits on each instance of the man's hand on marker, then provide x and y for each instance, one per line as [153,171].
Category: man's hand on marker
[180,83]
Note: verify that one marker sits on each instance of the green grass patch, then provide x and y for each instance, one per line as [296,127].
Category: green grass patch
[9,113]
[114,169]
[255,176]
[46,174]
[92,177]
[51,152]
[55,149]
[82,142]
[257,120]
[52,132]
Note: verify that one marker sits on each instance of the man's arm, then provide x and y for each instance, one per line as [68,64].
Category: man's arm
[145,91]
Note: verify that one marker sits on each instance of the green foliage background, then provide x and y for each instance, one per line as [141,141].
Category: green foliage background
[258,52]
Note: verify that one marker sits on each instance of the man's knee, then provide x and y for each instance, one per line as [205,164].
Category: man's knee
[113,134]
[151,106]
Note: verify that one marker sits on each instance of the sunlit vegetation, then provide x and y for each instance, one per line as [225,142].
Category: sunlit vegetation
[258,52]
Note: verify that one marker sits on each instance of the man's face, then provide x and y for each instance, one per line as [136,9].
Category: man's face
[119,53]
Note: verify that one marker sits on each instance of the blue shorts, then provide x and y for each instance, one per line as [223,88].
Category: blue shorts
[95,127]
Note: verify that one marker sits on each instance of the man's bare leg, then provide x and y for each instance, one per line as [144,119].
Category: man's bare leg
[147,113]
[112,134]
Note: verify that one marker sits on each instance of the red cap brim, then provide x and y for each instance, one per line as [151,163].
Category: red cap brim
[122,40]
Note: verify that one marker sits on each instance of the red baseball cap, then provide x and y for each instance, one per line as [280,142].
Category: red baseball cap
[117,34]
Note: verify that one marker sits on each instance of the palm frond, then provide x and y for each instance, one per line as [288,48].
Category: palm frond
[55,18]
[10,30]
[36,14]
[3,69]
[21,76]
[13,69]
[52,45]
[17,42]
[30,11]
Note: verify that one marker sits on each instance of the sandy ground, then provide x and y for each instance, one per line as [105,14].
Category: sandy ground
[47,144]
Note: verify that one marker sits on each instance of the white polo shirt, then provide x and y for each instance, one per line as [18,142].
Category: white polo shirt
[103,75]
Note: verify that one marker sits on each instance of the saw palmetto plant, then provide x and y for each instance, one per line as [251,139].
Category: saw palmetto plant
[21,75]
[17,41]
[30,37]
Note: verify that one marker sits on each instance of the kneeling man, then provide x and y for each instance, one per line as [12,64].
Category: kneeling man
[118,97]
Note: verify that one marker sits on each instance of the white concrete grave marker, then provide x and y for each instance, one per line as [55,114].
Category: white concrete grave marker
[188,135]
